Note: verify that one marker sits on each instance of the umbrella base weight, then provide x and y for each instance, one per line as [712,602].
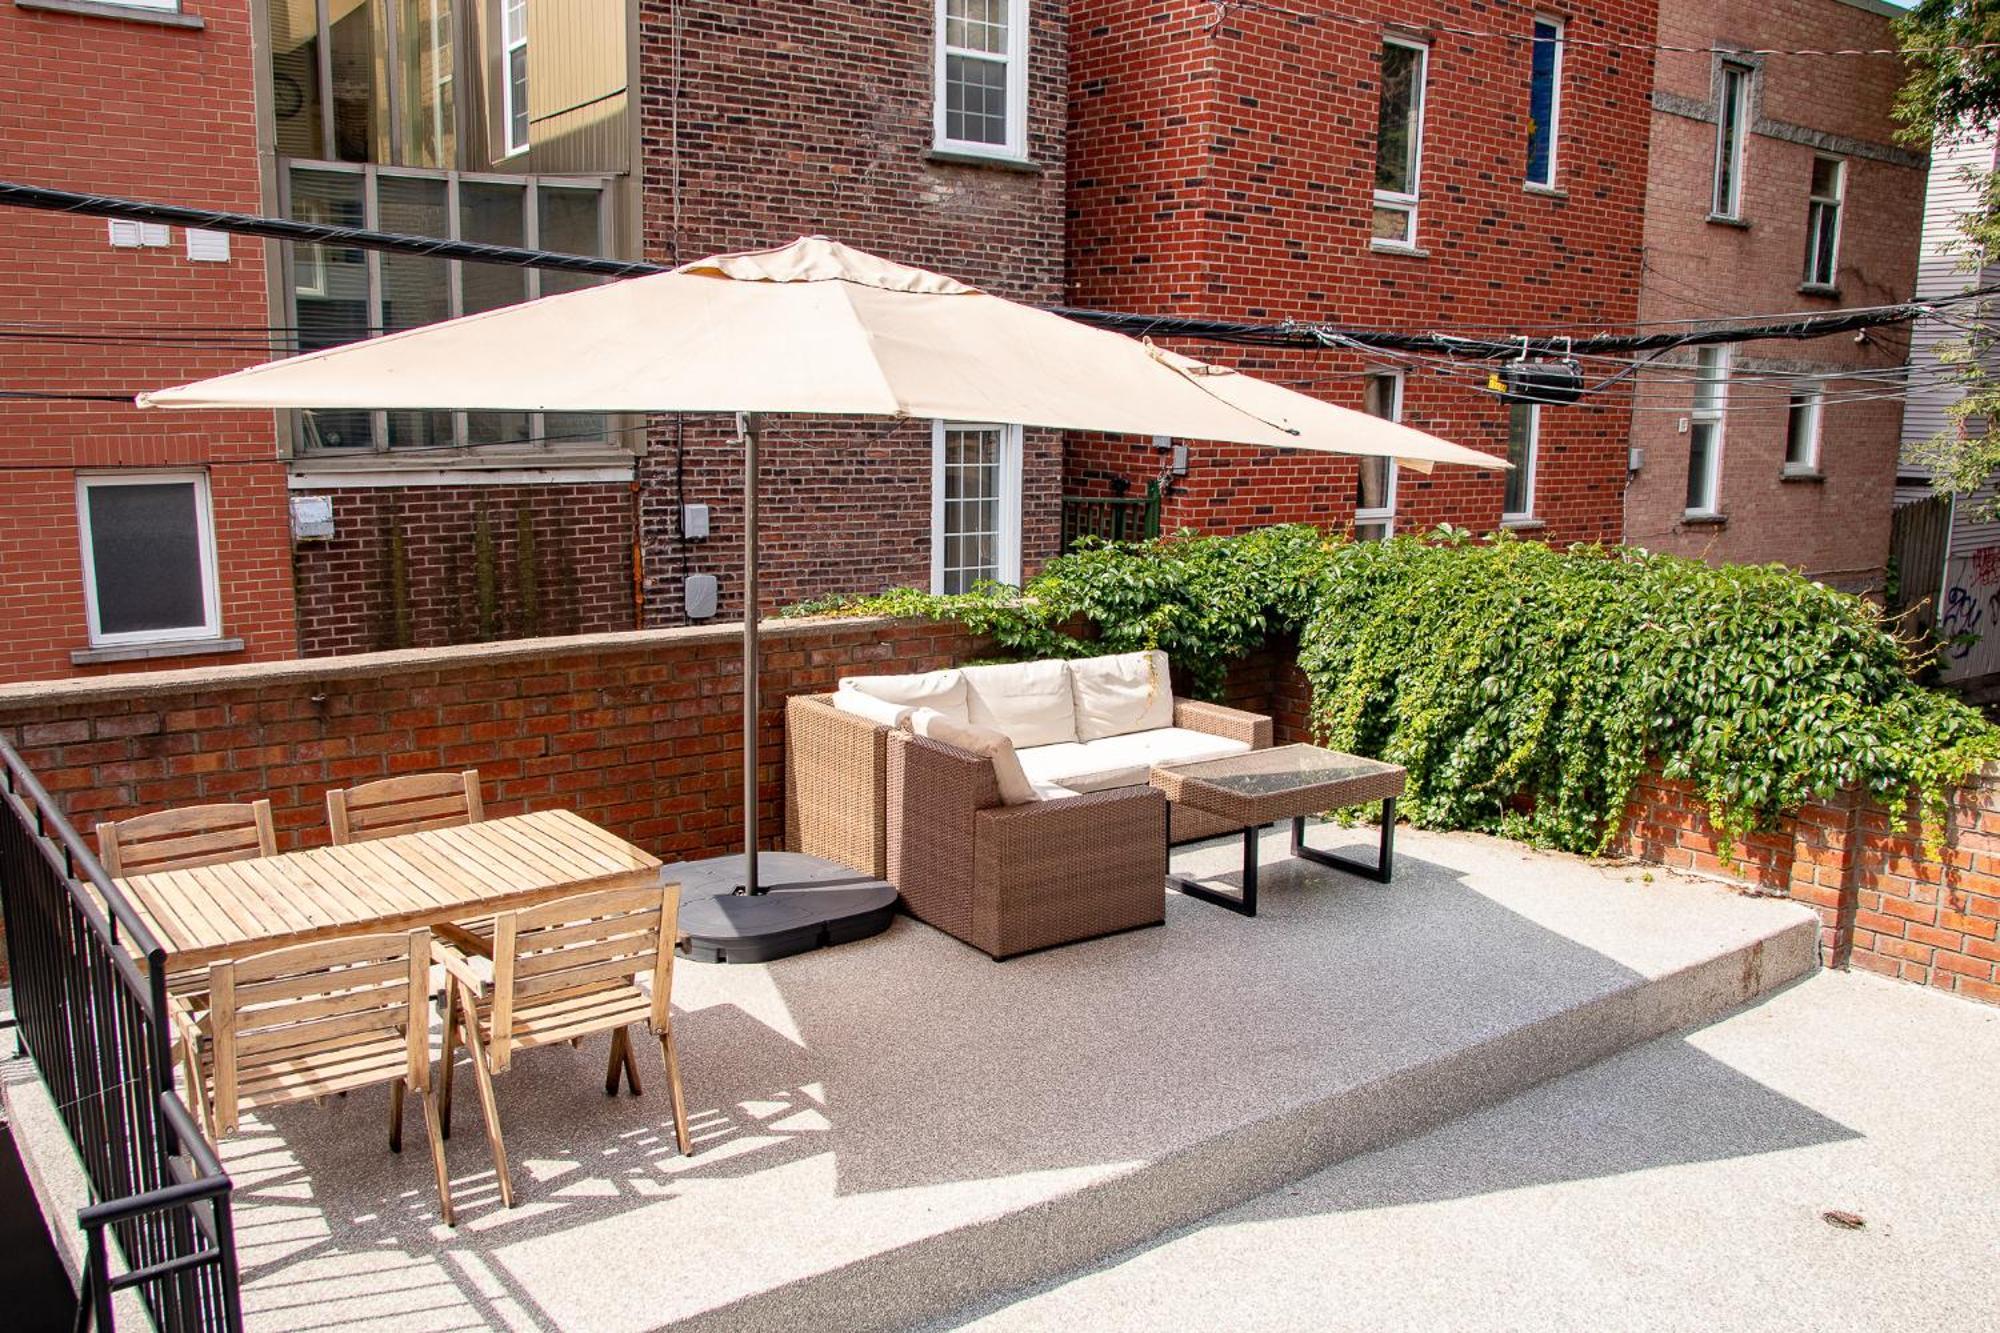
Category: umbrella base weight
[808,904]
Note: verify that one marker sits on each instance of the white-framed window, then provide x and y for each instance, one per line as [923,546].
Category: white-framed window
[1711,401]
[1375,489]
[975,505]
[1524,438]
[1802,426]
[514,73]
[1399,142]
[1545,71]
[148,557]
[982,77]
[1732,124]
[1829,186]
[340,294]
[171,6]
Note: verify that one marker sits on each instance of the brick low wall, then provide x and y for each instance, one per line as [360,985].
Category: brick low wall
[639,732]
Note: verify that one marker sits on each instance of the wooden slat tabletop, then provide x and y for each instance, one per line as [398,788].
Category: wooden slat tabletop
[236,908]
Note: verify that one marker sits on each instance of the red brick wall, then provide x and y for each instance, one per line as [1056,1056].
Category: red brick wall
[128,108]
[638,732]
[1836,528]
[1225,169]
[557,559]
[796,118]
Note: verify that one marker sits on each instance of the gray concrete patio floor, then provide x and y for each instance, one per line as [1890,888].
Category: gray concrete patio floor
[1680,1185]
[895,1129]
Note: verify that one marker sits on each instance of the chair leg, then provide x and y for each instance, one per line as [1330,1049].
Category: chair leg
[396,1116]
[616,1063]
[437,1156]
[451,993]
[631,1062]
[672,1058]
[489,1107]
[197,1090]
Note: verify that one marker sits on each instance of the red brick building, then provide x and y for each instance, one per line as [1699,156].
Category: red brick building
[1404,167]
[1776,185]
[126,536]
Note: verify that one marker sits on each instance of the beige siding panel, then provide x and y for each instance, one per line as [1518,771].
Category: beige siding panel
[577,99]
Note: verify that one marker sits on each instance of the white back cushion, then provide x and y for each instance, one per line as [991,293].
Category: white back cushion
[942,690]
[1121,694]
[1030,701]
[879,711]
[1015,789]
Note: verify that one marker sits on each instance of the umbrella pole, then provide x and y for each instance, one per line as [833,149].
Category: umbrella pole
[747,426]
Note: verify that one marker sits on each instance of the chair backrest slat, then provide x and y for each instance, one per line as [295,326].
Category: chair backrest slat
[192,836]
[408,804]
[581,945]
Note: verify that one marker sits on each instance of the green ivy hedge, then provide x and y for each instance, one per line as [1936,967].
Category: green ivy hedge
[1524,688]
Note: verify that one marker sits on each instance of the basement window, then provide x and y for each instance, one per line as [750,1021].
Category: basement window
[1399,142]
[975,505]
[148,557]
[982,77]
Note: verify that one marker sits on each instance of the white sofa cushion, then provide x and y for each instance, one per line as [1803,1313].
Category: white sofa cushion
[1121,761]
[1030,701]
[1015,789]
[941,690]
[879,711]
[1121,694]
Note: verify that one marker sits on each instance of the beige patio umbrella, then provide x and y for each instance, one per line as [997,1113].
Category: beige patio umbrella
[814,328]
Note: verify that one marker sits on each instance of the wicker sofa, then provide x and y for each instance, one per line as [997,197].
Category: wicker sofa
[1083,854]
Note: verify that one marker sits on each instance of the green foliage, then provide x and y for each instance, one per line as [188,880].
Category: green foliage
[1949,82]
[1523,688]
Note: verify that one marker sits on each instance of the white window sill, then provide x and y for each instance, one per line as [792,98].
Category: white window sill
[1382,247]
[1725,220]
[953,155]
[1703,518]
[1819,289]
[368,469]
[108,9]
[1522,522]
[1801,472]
[140,652]
[1546,191]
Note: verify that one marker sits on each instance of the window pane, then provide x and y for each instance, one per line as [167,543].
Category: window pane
[1392,224]
[1801,425]
[1372,492]
[1402,96]
[1701,464]
[295,95]
[415,289]
[1729,139]
[1379,397]
[145,549]
[1521,424]
[351,42]
[571,223]
[429,118]
[1826,177]
[1371,532]
[517,97]
[330,286]
[975,99]
[1711,379]
[976,25]
[1542,103]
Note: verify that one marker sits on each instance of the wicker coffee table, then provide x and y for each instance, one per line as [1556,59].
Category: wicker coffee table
[1287,781]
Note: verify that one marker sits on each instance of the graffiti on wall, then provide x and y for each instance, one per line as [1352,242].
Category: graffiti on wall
[1969,614]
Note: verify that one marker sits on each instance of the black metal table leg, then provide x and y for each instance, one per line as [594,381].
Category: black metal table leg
[1244,902]
[1384,865]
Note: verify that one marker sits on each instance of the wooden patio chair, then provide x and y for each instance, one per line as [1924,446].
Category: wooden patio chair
[563,971]
[304,1022]
[404,805]
[194,835]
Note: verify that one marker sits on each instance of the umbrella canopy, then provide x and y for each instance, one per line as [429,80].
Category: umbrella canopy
[817,328]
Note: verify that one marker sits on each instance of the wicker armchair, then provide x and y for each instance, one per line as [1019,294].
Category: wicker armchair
[835,767]
[1009,879]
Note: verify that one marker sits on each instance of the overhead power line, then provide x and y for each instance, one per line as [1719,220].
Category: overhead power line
[1285,335]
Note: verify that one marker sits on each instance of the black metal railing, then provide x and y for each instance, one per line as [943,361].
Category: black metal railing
[90,1004]
[1113,518]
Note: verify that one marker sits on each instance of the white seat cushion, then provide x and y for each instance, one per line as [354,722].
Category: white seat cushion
[1030,701]
[1120,694]
[1121,761]
[942,690]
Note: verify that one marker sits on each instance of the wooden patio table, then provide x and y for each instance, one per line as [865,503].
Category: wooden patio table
[236,908]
